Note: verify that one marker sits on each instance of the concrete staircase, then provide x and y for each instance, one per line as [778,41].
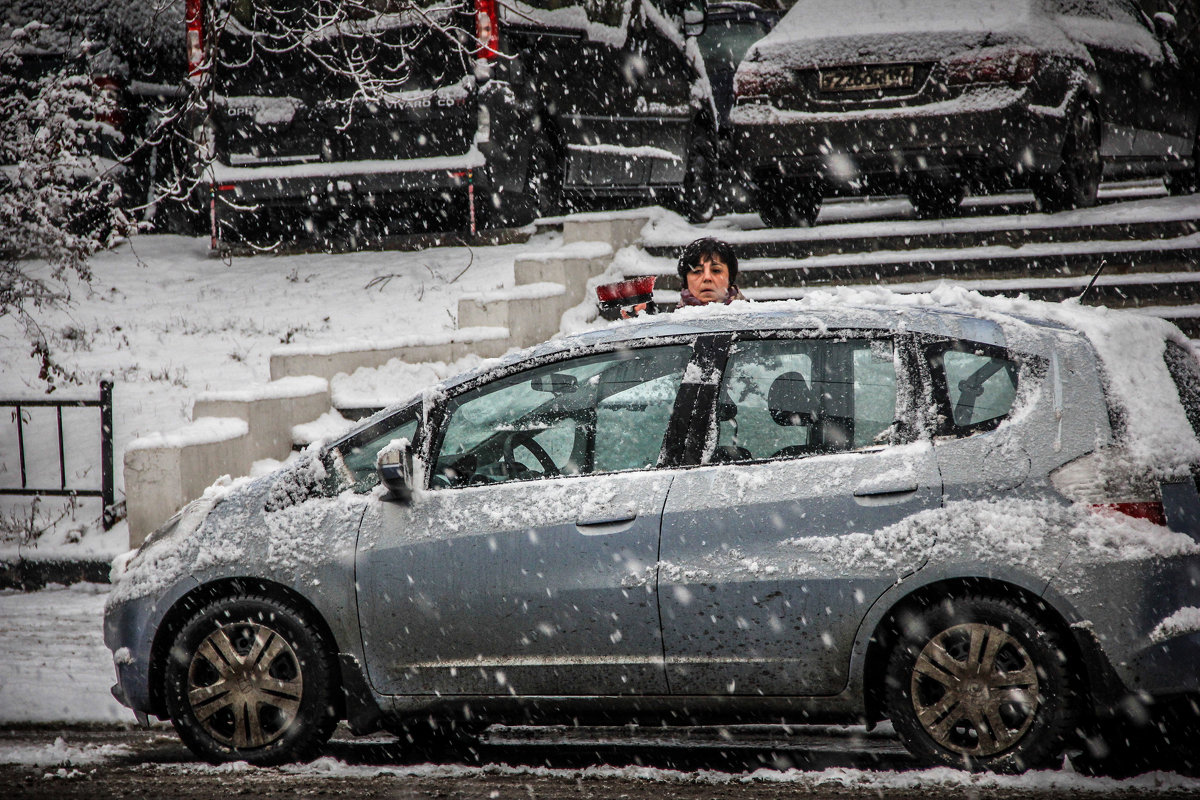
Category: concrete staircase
[1150,257]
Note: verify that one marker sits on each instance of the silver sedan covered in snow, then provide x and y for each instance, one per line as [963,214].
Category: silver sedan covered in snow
[976,518]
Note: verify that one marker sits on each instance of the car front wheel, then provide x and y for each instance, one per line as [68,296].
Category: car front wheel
[249,679]
[979,683]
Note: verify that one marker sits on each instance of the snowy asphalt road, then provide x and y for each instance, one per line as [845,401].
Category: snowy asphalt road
[698,764]
[63,736]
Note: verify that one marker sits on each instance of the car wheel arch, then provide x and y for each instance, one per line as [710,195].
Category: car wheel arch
[207,593]
[880,631]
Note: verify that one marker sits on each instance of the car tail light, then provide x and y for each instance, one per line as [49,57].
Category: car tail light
[487,29]
[108,93]
[194,19]
[1100,481]
[1004,65]
[755,79]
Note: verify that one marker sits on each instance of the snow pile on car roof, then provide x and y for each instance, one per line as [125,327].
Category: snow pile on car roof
[831,32]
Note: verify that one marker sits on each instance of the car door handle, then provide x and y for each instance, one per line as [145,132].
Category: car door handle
[601,526]
[884,493]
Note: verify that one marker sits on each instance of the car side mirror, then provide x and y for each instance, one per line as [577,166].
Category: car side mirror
[695,17]
[395,465]
[1165,26]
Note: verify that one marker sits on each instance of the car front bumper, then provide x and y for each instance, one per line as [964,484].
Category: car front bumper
[129,630]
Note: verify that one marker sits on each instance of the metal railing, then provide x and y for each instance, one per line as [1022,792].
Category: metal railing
[106,491]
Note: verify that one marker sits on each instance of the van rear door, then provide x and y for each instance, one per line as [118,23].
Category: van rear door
[305,82]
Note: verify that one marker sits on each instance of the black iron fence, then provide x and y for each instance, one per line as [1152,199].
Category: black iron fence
[106,492]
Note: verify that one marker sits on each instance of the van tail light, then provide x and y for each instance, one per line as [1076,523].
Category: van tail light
[997,65]
[1100,481]
[194,19]
[487,29]
[108,93]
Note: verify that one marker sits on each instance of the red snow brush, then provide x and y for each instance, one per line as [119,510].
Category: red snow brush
[629,296]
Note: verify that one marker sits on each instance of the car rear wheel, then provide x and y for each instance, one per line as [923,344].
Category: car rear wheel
[787,205]
[979,683]
[1077,181]
[249,679]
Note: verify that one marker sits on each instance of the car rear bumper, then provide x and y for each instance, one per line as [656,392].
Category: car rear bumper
[998,130]
[316,183]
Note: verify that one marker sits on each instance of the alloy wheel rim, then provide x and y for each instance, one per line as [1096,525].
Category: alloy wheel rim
[975,690]
[245,685]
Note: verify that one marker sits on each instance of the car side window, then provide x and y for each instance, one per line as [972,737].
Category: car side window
[975,386]
[795,397]
[354,459]
[602,413]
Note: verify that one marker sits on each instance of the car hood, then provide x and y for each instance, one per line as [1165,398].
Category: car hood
[281,527]
[832,32]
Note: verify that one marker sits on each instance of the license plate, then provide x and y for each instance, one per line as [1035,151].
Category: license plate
[864,79]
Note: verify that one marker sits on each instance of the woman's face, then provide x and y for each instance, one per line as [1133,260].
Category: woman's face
[709,280]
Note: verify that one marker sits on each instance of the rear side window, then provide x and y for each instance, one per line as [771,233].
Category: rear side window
[797,397]
[1185,371]
[974,386]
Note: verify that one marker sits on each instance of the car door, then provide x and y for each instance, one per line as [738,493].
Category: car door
[529,565]
[770,552]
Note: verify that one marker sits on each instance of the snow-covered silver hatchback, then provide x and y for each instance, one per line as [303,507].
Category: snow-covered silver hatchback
[976,518]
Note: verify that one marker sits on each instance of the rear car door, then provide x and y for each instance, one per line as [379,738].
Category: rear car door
[769,559]
[304,83]
[529,566]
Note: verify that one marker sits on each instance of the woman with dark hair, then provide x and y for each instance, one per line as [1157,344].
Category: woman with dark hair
[707,271]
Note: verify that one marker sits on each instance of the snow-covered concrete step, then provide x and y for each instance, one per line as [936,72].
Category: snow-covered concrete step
[994,261]
[1147,220]
[346,357]
[1171,295]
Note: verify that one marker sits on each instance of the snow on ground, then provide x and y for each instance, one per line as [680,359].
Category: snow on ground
[54,666]
[166,321]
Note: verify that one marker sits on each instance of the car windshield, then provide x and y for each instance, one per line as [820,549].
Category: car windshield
[725,41]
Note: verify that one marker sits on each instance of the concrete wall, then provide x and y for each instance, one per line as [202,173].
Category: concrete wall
[271,418]
[324,363]
[230,431]
[160,478]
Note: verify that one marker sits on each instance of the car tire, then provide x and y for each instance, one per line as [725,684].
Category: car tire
[1186,181]
[937,198]
[248,678]
[788,205]
[697,200]
[1077,181]
[951,707]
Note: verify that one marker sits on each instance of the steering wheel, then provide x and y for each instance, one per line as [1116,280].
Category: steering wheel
[525,439]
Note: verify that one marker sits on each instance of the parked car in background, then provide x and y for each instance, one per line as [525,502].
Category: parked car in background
[930,99]
[338,116]
[730,29]
[976,518]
